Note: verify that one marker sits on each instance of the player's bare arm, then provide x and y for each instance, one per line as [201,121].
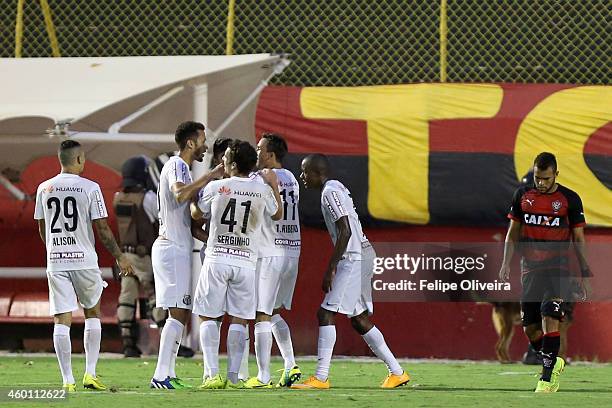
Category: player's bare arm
[344,235]
[108,240]
[187,192]
[196,228]
[580,249]
[512,237]
[41,231]
[270,178]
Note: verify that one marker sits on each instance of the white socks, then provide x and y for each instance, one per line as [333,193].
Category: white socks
[169,341]
[236,336]
[263,349]
[243,373]
[209,343]
[175,349]
[91,343]
[377,344]
[282,335]
[327,339]
[63,350]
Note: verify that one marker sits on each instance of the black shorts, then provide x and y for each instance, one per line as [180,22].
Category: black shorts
[539,286]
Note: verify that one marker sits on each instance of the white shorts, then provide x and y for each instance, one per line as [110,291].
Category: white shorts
[172,272]
[351,292]
[65,287]
[276,276]
[225,289]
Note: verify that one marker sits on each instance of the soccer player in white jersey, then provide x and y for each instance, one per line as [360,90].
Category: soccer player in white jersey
[236,208]
[347,279]
[171,252]
[277,269]
[66,207]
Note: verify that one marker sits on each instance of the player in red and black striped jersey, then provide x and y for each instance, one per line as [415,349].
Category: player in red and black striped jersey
[544,219]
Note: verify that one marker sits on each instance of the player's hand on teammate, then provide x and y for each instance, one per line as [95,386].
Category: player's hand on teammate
[125,266]
[218,171]
[269,176]
[328,278]
[504,273]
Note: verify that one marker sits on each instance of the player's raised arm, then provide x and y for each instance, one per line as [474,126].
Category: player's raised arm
[187,192]
[108,240]
[271,179]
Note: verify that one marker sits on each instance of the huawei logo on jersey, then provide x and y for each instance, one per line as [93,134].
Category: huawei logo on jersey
[225,190]
[542,220]
[49,188]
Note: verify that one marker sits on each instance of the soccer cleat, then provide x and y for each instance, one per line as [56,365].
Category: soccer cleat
[213,383]
[394,381]
[254,382]
[240,385]
[313,383]
[93,383]
[69,387]
[179,384]
[544,387]
[162,385]
[289,377]
[556,373]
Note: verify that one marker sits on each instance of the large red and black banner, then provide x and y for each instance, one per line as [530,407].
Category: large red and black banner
[446,153]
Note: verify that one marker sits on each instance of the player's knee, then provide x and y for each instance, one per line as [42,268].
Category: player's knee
[325,317]
[92,313]
[63,318]
[533,331]
[552,309]
[361,323]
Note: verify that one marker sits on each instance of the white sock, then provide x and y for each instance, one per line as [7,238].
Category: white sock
[243,373]
[377,344]
[282,335]
[170,336]
[63,350]
[175,349]
[236,337]
[209,343]
[327,339]
[263,349]
[91,342]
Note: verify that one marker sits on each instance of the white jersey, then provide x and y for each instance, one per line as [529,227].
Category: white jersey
[174,217]
[336,202]
[236,207]
[69,203]
[282,237]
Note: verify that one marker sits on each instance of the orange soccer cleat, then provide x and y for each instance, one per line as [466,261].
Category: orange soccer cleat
[394,381]
[313,383]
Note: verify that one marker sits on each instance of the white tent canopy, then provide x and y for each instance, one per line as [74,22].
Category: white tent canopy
[143,97]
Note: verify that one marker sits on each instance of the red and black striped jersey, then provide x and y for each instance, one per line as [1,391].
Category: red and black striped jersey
[546,224]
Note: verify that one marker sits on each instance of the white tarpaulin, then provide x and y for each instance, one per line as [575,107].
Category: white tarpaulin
[95,93]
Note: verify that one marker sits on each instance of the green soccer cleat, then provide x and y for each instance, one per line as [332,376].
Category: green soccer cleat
[69,387]
[254,382]
[93,383]
[213,383]
[289,377]
[544,387]
[240,385]
[179,384]
[556,373]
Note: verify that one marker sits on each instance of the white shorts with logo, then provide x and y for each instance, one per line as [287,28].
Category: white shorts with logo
[351,292]
[225,289]
[68,289]
[276,276]
[172,272]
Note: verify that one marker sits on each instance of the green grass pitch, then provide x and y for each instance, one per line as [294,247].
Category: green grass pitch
[354,384]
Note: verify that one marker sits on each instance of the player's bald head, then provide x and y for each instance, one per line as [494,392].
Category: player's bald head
[68,152]
[317,162]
